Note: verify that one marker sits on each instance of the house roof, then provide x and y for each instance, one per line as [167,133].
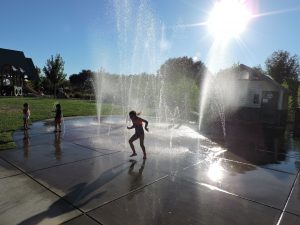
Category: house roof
[257,75]
[18,59]
[243,72]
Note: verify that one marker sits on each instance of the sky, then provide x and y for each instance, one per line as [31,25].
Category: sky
[134,36]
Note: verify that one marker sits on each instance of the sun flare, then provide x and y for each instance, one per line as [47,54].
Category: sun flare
[228,19]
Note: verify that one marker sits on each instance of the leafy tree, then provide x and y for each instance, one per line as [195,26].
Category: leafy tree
[177,68]
[259,69]
[45,85]
[182,78]
[37,82]
[54,71]
[285,68]
[82,81]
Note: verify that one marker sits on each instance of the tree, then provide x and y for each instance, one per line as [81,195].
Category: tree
[259,69]
[54,71]
[37,82]
[82,81]
[285,68]
[45,85]
[182,78]
[177,68]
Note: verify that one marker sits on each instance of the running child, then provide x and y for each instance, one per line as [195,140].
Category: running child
[137,124]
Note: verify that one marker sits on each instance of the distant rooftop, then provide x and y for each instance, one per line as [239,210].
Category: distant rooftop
[244,72]
[18,59]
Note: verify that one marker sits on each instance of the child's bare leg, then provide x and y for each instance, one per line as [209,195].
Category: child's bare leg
[131,140]
[143,146]
[25,124]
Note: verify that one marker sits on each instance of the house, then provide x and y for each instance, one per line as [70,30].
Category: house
[15,68]
[249,95]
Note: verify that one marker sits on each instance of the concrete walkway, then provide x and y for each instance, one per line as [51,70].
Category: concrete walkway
[84,175]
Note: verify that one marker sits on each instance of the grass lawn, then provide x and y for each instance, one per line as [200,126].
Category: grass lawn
[11,117]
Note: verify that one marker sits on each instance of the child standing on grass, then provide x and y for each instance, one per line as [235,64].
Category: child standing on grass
[137,123]
[26,115]
[57,119]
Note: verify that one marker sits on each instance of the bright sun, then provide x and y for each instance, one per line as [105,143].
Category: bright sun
[228,19]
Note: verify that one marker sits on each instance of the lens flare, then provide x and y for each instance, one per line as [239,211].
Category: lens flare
[228,19]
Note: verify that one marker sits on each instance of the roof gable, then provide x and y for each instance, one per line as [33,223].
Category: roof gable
[243,72]
[18,59]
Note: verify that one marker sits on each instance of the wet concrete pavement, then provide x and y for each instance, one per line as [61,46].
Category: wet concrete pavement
[84,175]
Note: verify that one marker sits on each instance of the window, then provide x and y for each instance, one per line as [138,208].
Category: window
[256,98]
[244,75]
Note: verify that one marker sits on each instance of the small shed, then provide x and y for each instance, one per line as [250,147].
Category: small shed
[250,95]
[15,69]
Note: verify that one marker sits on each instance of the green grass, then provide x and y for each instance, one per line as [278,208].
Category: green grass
[6,140]
[41,108]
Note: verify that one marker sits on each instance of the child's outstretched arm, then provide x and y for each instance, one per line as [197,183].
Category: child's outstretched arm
[130,127]
[146,125]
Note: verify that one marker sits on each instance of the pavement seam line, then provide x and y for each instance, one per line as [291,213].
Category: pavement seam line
[288,198]
[250,164]
[32,178]
[135,190]
[66,163]
[225,192]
